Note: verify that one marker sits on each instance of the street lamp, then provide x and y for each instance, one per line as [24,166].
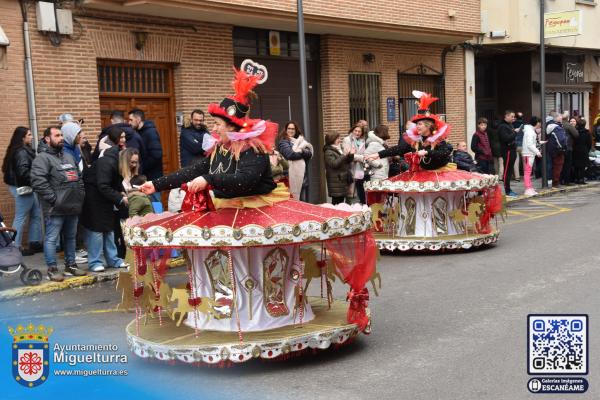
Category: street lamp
[303,75]
[543,96]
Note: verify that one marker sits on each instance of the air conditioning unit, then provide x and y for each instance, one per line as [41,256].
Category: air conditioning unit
[46,21]
[498,34]
[3,38]
[46,18]
[65,21]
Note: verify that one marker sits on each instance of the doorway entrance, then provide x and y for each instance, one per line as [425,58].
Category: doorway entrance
[149,87]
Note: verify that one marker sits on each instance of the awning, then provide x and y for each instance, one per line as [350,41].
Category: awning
[564,88]
[3,38]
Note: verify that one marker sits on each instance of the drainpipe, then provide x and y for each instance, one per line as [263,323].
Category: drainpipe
[444,54]
[33,125]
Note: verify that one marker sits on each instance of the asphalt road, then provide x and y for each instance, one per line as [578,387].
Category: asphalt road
[449,326]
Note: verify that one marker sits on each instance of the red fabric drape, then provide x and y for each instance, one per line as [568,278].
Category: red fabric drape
[354,259]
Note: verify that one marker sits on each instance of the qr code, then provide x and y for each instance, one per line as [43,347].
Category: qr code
[557,344]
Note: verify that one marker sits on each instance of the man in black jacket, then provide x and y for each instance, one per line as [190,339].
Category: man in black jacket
[153,167]
[132,138]
[508,147]
[190,140]
[55,178]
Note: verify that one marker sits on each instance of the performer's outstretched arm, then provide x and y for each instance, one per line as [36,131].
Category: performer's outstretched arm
[176,179]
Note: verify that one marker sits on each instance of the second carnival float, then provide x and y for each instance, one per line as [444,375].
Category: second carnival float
[250,251]
[433,206]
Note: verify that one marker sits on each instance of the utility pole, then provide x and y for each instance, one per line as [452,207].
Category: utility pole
[303,77]
[543,96]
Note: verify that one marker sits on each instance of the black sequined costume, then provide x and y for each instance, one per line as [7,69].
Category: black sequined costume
[436,157]
[229,178]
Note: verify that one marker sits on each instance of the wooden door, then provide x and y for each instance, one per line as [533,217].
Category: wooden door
[157,110]
[149,87]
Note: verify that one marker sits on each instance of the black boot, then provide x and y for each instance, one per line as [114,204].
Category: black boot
[27,252]
[36,247]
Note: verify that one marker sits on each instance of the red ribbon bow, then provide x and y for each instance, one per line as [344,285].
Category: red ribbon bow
[199,201]
[357,311]
[414,161]
[195,301]
[137,292]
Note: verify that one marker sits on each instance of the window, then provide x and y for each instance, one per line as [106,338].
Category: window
[554,63]
[407,103]
[116,77]
[364,98]
[255,42]
[571,102]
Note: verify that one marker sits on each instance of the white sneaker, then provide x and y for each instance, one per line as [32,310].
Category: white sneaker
[97,268]
[122,265]
[82,253]
[530,192]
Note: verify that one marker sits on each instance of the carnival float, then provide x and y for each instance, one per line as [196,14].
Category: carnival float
[250,253]
[433,206]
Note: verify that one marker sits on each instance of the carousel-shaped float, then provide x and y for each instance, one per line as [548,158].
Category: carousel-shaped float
[433,206]
[248,270]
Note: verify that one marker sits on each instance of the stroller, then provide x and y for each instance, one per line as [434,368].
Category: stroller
[592,171]
[11,260]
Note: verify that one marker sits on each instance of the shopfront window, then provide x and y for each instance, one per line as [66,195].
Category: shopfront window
[365,98]
[560,102]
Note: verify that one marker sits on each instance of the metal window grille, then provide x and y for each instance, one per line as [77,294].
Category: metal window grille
[365,98]
[115,78]
[407,103]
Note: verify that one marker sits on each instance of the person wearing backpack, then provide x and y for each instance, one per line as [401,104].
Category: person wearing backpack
[557,146]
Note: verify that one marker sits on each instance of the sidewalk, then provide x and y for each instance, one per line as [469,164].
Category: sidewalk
[519,188]
[11,286]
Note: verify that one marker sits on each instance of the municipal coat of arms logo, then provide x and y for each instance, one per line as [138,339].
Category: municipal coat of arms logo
[30,354]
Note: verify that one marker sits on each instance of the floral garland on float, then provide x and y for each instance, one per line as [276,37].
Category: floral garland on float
[433,206]
[249,261]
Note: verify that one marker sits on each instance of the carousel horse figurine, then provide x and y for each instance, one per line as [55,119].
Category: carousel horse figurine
[392,217]
[160,301]
[474,212]
[375,277]
[458,219]
[125,285]
[375,219]
[312,267]
[329,294]
[181,296]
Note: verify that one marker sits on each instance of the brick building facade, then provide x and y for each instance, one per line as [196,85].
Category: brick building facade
[195,45]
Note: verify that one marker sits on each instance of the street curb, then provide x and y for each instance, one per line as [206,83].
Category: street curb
[49,287]
[68,283]
[552,192]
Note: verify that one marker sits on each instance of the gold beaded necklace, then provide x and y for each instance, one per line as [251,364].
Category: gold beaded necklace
[220,169]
